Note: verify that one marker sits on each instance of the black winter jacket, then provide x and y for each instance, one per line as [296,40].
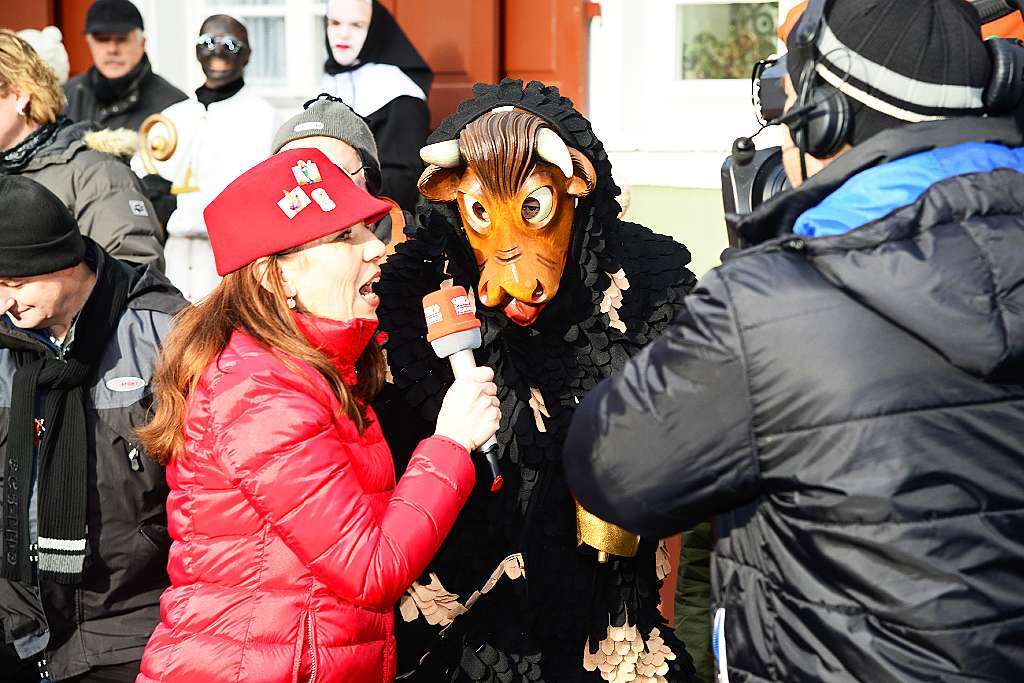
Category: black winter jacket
[148,94]
[851,410]
[108,618]
[400,128]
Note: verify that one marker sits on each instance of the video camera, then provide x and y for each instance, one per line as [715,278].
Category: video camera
[752,176]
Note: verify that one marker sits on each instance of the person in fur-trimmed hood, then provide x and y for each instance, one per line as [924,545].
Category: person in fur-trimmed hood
[521,211]
[76,162]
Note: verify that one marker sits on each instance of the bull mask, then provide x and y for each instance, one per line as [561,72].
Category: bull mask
[516,183]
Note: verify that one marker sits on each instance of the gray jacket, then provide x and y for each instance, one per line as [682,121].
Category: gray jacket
[108,617]
[102,193]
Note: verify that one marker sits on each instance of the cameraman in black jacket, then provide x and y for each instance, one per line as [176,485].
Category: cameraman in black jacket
[846,397]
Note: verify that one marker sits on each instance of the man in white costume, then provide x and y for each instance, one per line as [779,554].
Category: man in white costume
[223,130]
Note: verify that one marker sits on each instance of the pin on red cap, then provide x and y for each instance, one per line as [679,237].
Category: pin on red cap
[287,200]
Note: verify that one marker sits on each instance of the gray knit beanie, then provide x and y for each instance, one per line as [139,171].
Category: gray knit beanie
[327,116]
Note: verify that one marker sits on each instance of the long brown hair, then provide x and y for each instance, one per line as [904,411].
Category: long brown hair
[202,331]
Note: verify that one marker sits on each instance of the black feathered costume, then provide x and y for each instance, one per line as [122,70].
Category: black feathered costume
[474,616]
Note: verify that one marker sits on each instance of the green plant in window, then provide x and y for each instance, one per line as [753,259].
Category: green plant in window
[750,36]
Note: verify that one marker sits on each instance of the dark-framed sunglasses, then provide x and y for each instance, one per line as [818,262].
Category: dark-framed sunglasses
[209,42]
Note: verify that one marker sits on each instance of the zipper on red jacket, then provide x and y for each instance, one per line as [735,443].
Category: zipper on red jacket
[312,648]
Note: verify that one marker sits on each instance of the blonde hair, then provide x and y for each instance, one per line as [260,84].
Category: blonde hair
[23,70]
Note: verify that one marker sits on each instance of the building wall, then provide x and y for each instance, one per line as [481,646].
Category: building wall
[691,216]
[667,138]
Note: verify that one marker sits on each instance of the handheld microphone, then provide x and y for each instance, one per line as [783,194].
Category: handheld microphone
[454,331]
[743,150]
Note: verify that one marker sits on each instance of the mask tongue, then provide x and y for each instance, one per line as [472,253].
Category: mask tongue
[521,313]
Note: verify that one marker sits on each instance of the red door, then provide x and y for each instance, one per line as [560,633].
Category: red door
[20,15]
[459,39]
[546,40]
[474,41]
[72,21]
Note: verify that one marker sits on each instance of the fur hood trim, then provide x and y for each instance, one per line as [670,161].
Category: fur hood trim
[121,142]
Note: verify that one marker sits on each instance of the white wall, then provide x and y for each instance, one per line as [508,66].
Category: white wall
[169,42]
[660,130]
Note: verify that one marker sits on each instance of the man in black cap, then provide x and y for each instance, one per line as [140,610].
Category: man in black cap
[83,531]
[846,397]
[120,90]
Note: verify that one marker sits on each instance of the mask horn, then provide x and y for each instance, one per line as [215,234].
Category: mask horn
[551,148]
[445,154]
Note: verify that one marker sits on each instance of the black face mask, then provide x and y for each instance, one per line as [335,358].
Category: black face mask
[227,47]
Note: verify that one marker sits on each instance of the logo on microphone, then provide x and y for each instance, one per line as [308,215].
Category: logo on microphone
[433,314]
[463,305]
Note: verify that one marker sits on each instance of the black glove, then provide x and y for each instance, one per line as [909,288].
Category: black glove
[158,191]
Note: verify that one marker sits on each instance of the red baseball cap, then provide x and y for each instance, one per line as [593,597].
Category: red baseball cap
[287,200]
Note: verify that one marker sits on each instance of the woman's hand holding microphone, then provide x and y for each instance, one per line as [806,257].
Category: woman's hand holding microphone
[469,413]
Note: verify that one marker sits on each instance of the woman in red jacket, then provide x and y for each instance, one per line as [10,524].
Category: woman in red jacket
[292,542]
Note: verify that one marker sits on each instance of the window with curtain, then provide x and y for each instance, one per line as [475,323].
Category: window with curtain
[722,40]
[286,37]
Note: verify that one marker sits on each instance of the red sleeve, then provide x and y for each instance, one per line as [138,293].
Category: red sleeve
[281,448]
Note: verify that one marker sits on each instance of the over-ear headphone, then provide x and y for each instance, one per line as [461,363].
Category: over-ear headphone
[1005,88]
[821,118]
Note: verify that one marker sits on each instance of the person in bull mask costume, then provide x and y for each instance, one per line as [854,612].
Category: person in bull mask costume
[521,211]
[223,130]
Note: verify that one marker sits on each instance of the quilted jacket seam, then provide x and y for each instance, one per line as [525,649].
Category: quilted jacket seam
[252,614]
[751,429]
[893,414]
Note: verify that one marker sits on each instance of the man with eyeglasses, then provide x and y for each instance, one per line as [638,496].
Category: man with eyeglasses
[223,130]
[328,124]
[120,90]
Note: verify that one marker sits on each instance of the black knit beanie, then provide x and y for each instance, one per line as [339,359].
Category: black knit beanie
[38,235]
[900,61]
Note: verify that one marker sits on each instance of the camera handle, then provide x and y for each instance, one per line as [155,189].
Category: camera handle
[991,10]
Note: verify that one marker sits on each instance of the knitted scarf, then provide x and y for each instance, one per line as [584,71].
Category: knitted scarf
[109,90]
[62,454]
[16,158]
